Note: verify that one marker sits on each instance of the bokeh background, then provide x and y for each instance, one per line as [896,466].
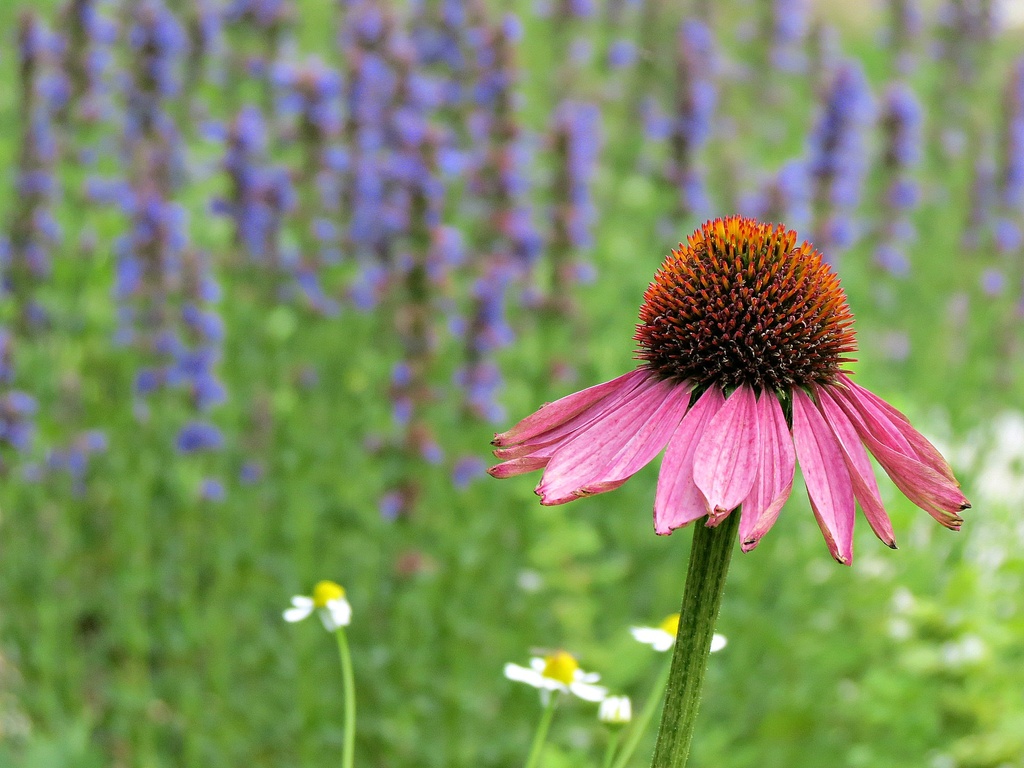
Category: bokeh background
[274,271]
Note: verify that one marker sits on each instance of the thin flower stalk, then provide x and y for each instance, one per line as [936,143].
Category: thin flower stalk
[638,727]
[348,681]
[540,736]
[615,712]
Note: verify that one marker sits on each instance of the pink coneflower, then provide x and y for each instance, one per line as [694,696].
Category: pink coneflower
[742,339]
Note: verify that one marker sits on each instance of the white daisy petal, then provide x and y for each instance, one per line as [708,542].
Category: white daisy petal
[718,642]
[328,619]
[589,692]
[301,601]
[664,643]
[658,639]
[298,613]
[537,664]
[645,634]
[579,676]
[522,675]
[341,611]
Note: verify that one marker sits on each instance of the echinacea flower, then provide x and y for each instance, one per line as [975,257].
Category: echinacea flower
[743,336]
[662,637]
[558,672]
[615,710]
[328,600]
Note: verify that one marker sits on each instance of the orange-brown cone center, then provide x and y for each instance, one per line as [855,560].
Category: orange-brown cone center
[741,303]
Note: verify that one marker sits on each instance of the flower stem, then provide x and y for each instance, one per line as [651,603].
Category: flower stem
[705,582]
[613,742]
[639,724]
[541,736]
[349,747]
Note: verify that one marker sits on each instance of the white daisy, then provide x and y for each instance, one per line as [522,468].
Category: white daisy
[328,600]
[663,636]
[558,672]
[615,710]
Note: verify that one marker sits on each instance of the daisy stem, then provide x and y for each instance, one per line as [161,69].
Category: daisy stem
[613,742]
[541,736]
[705,582]
[348,681]
[639,725]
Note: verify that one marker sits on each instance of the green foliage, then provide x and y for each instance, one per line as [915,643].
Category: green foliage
[143,625]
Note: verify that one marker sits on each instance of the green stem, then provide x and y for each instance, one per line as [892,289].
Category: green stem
[640,722]
[613,742]
[541,736]
[349,747]
[705,582]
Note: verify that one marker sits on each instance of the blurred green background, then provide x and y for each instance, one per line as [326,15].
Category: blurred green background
[140,619]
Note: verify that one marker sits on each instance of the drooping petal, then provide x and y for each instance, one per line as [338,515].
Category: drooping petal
[881,415]
[546,443]
[536,451]
[678,501]
[340,612]
[646,443]
[930,490]
[560,411]
[725,463]
[825,475]
[775,468]
[609,451]
[922,485]
[518,466]
[865,487]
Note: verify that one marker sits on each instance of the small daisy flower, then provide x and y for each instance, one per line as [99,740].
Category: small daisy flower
[662,637]
[615,710]
[743,341]
[558,672]
[328,600]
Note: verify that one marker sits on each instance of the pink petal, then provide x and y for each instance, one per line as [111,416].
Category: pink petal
[546,443]
[922,485]
[677,501]
[894,412]
[774,481]
[518,466]
[930,490]
[865,487]
[613,448]
[878,412]
[555,414]
[646,443]
[725,464]
[825,475]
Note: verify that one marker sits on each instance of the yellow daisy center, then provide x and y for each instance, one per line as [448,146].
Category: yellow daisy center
[560,666]
[326,591]
[670,624]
